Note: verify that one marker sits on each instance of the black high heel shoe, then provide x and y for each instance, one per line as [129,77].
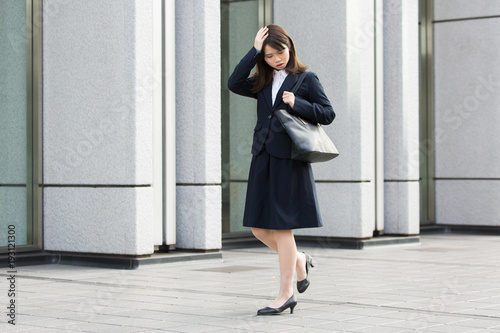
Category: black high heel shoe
[302,285]
[291,303]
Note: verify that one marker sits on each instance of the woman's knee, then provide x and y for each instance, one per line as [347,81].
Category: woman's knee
[261,233]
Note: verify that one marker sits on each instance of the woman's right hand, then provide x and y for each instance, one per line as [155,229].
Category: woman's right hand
[260,37]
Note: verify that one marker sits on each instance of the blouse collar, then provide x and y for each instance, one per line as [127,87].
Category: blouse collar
[280,74]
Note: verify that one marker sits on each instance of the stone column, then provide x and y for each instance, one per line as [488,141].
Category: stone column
[401,117]
[97,126]
[198,124]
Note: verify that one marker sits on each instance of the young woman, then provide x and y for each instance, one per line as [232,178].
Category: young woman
[281,194]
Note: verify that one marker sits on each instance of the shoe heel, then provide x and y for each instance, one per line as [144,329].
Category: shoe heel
[309,261]
[291,308]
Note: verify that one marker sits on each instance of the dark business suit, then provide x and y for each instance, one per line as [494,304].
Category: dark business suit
[311,104]
[281,193]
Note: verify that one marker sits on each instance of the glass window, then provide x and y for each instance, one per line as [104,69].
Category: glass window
[14,163]
[427,186]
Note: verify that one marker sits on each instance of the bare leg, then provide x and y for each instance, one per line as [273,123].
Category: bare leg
[287,252]
[268,237]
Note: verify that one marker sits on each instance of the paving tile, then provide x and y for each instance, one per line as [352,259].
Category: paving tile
[305,322]
[418,325]
[5,327]
[104,328]
[368,311]
[482,323]
[378,329]
[334,316]
[234,330]
[195,328]
[308,330]
[445,319]
[55,323]
[342,326]
[485,312]
[34,329]
[451,329]
[375,321]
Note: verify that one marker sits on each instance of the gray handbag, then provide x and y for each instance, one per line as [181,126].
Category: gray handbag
[310,141]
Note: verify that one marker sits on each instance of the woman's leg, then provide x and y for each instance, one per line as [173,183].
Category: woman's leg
[287,253]
[268,237]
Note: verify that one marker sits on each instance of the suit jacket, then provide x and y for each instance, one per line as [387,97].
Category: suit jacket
[311,104]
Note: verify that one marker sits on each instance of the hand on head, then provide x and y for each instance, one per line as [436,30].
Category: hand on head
[260,37]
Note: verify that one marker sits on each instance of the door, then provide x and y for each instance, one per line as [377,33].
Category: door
[240,21]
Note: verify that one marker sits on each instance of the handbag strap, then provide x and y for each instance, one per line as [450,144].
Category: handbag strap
[299,82]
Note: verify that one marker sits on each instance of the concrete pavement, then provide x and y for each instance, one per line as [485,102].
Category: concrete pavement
[447,283]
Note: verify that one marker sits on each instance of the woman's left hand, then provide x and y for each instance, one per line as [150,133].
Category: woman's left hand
[289,98]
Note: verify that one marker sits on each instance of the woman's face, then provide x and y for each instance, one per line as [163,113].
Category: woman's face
[276,59]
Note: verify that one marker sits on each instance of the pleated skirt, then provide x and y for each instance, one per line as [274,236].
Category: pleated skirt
[281,194]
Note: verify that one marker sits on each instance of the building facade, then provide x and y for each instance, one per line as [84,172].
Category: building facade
[120,137]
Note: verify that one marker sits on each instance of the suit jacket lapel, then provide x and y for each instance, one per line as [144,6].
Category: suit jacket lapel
[286,86]
[267,91]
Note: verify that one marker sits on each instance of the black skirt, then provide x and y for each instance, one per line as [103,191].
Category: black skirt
[281,194]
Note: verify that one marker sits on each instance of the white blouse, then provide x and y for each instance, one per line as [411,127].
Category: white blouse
[279,77]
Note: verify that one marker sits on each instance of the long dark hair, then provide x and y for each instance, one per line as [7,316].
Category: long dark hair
[277,38]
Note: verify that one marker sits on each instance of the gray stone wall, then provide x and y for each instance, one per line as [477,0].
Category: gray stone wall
[467,113]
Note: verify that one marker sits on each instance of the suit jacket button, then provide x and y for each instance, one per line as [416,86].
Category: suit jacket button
[270,116]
